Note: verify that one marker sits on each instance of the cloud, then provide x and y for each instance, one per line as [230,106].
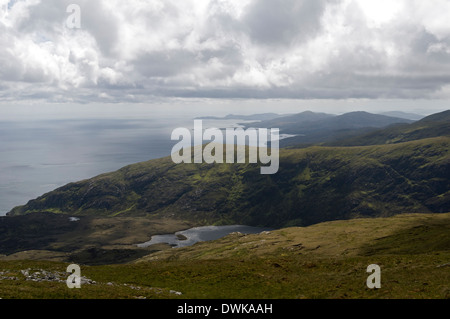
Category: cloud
[141,50]
[285,23]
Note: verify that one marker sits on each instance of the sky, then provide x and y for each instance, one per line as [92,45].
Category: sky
[258,52]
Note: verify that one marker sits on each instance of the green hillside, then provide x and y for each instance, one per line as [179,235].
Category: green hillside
[314,184]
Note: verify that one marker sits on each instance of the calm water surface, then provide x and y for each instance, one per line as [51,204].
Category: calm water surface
[37,156]
[198,234]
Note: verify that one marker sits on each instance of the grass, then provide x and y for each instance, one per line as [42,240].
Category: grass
[324,261]
[287,277]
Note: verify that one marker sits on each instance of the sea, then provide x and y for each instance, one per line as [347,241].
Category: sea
[40,154]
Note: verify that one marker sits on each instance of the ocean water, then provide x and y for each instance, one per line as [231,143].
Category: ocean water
[38,156]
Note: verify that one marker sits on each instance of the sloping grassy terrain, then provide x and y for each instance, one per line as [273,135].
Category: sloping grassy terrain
[327,260]
[313,185]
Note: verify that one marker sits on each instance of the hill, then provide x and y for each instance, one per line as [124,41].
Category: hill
[313,185]
[404,115]
[290,124]
[430,126]
[311,128]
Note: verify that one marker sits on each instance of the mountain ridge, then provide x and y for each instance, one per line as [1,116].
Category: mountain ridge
[430,126]
[311,128]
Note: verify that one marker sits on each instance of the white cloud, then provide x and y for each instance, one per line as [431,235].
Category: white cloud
[377,13]
[432,15]
[138,50]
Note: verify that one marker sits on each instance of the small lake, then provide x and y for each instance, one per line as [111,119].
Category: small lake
[197,234]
